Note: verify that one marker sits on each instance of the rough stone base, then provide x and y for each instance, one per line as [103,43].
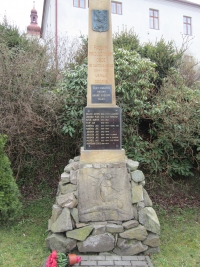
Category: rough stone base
[130,228]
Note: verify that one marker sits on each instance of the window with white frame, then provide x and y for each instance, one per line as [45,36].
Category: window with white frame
[154,19]
[116,8]
[79,3]
[187,25]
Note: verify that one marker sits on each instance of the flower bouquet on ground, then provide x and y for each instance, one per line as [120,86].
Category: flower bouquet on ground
[58,259]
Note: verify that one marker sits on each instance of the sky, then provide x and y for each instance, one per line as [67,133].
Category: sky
[18,11]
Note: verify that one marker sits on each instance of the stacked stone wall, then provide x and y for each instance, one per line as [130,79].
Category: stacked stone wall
[138,235]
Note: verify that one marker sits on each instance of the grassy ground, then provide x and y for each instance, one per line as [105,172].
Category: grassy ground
[180,238]
[22,243]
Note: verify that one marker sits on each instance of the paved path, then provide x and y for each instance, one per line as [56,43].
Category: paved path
[119,261]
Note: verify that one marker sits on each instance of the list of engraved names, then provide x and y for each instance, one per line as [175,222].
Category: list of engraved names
[102,128]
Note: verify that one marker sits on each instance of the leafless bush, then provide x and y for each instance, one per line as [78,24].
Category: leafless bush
[62,52]
[29,107]
[190,71]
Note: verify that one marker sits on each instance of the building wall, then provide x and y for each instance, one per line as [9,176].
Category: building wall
[48,21]
[136,16]
[73,21]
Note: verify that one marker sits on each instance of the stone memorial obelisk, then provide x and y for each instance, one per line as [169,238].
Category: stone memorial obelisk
[102,118]
[101,205]
[103,185]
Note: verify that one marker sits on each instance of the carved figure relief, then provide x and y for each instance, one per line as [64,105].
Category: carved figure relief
[104,194]
[105,187]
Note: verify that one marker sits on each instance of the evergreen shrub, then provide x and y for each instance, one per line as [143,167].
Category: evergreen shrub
[165,55]
[160,128]
[127,40]
[73,90]
[10,205]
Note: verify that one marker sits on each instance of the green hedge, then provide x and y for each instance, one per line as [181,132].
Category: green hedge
[10,206]
[161,129]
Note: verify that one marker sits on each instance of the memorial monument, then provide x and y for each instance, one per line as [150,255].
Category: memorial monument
[109,193]
[101,203]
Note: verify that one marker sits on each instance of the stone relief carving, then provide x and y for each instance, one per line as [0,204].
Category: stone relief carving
[104,186]
[104,194]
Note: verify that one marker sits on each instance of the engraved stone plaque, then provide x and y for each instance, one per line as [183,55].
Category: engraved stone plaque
[102,128]
[100,20]
[104,194]
[101,93]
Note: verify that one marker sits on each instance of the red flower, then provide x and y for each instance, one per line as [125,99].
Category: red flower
[54,254]
[52,259]
[57,259]
[78,259]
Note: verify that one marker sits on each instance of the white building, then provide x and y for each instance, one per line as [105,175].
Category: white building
[151,19]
